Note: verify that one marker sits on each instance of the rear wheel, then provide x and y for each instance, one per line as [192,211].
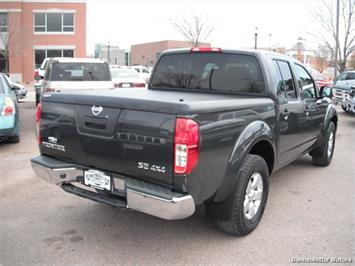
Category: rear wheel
[249,198]
[345,109]
[323,155]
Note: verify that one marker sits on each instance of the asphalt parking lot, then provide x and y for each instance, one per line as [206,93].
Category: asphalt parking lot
[310,214]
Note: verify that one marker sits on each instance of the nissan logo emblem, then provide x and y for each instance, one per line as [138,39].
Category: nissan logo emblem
[96,109]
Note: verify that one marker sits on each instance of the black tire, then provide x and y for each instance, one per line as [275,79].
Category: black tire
[14,139]
[345,109]
[37,99]
[320,156]
[238,224]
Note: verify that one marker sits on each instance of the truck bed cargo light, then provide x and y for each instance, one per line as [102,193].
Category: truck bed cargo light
[206,49]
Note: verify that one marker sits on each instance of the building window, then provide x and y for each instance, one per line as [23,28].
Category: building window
[54,22]
[68,53]
[41,54]
[3,22]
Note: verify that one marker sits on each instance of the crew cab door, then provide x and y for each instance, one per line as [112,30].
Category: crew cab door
[315,107]
[294,124]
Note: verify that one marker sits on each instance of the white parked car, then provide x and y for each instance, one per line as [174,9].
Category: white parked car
[38,76]
[126,78]
[76,74]
[143,72]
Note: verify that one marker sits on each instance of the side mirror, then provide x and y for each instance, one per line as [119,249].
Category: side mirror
[326,92]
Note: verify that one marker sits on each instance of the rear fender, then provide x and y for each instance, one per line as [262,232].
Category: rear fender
[330,115]
[219,206]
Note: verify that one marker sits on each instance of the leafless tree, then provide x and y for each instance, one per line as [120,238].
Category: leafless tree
[324,16]
[4,48]
[195,30]
[9,43]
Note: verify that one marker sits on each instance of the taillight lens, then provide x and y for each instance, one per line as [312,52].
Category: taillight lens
[38,120]
[8,107]
[116,85]
[186,142]
[36,75]
[139,85]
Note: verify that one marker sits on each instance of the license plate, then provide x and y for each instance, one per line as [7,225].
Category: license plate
[97,179]
[126,85]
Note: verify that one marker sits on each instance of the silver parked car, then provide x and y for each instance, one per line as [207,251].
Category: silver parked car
[17,88]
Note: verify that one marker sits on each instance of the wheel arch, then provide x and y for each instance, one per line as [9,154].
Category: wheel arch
[264,149]
[258,139]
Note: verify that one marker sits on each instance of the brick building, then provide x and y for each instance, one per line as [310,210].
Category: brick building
[31,30]
[146,54]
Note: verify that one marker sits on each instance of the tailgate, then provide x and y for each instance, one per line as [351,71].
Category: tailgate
[128,142]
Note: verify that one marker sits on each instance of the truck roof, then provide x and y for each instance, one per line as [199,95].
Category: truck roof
[238,51]
[77,60]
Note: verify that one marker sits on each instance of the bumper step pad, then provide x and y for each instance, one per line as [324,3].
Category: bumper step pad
[121,203]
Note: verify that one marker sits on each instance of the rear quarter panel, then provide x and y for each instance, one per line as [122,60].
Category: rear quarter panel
[219,133]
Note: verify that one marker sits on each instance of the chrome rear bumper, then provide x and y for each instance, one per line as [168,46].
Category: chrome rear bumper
[137,195]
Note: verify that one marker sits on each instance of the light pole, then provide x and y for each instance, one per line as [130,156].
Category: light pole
[108,52]
[336,41]
[270,46]
[256,38]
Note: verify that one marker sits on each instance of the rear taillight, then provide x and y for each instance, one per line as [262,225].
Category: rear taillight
[38,120]
[36,75]
[116,85]
[139,85]
[50,90]
[186,142]
[8,107]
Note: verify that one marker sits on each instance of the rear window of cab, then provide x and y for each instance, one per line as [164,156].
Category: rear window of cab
[224,72]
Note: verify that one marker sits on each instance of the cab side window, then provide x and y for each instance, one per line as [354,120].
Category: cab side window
[305,82]
[287,86]
[350,76]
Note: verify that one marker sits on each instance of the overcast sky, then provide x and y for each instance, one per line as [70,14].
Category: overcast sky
[124,23]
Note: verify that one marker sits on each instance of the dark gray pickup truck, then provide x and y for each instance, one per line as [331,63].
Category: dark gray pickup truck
[210,129]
